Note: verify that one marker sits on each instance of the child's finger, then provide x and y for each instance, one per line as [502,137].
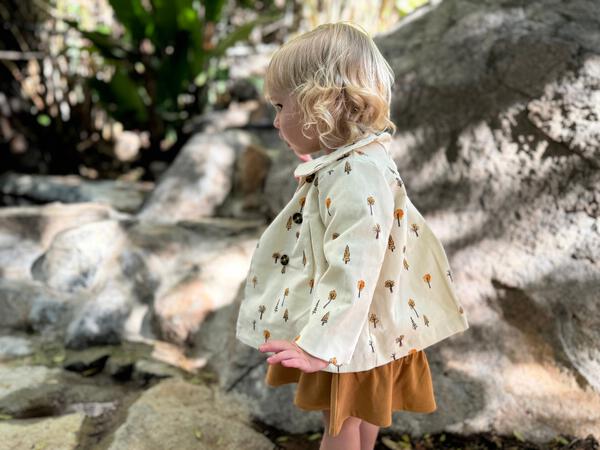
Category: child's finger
[273,346]
[286,354]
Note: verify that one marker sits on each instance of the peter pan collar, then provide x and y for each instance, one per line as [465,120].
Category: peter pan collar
[311,166]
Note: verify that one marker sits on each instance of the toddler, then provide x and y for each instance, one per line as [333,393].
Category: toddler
[347,285]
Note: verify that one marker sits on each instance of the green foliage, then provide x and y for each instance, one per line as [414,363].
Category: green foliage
[166,50]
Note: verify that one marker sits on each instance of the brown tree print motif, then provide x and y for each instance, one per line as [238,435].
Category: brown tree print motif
[254,281]
[371,202]
[346,257]
[303,258]
[415,228]
[449,275]
[361,286]
[288,224]
[414,325]
[261,310]
[371,344]
[373,319]
[302,201]
[311,284]
[277,306]
[335,235]
[314,311]
[425,320]
[377,230]
[394,356]
[411,304]
[296,338]
[328,204]
[460,309]
[275,256]
[405,263]
[399,340]
[285,315]
[254,325]
[391,244]
[398,214]
[389,284]
[332,296]
[266,334]
[347,167]
[285,294]
[427,279]
[325,318]
[297,235]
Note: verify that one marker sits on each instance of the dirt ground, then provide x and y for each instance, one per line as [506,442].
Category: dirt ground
[440,441]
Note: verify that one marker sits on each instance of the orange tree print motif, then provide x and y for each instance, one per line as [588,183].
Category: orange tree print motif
[361,286]
[377,230]
[332,296]
[347,167]
[334,362]
[328,204]
[373,319]
[266,334]
[346,255]
[389,284]
[261,310]
[398,214]
[325,318]
[311,284]
[427,279]
[415,228]
[276,255]
[296,338]
[371,202]
[391,244]
[411,304]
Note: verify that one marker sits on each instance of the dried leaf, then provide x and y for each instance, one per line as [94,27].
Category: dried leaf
[389,443]
[314,436]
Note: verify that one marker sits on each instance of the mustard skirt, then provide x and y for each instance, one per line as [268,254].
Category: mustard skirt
[371,395]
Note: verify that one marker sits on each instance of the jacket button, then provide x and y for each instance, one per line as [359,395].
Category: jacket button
[284,260]
[310,178]
[297,217]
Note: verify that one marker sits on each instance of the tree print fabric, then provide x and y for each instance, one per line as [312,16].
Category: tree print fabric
[349,269]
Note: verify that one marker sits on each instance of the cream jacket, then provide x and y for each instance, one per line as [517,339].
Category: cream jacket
[349,269]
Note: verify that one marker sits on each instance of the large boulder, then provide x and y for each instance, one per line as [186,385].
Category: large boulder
[498,143]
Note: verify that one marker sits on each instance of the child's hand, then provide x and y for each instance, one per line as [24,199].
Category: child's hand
[290,355]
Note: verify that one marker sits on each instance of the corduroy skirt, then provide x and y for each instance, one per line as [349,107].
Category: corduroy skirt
[371,395]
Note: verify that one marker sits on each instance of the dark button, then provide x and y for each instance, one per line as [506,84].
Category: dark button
[297,217]
[284,260]
[310,178]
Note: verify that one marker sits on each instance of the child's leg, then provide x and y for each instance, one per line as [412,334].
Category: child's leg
[347,439]
[368,435]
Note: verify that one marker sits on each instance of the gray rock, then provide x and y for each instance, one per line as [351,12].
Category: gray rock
[121,195]
[199,180]
[60,433]
[187,417]
[12,346]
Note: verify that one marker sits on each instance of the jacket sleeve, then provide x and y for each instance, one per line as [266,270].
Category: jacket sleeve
[356,207]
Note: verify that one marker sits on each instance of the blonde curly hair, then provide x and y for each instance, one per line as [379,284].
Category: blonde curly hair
[339,80]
